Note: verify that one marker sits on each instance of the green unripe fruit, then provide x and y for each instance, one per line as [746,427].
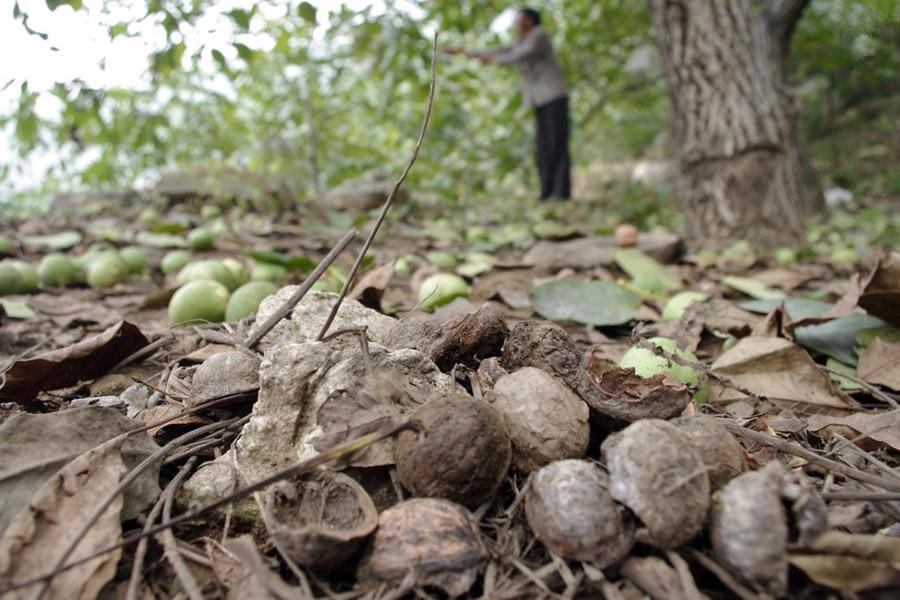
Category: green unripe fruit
[174,261]
[442,259]
[198,301]
[268,272]
[238,269]
[135,258]
[785,256]
[246,299]
[200,239]
[106,271]
[57,270]
[441,289]
[148,215]
[27,273]
[403,265]
[845,256]
[679,303]
[210,270]
[647,364]
[210,211]
[10,280]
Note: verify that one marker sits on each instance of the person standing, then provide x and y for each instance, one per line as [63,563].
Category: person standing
[545,89]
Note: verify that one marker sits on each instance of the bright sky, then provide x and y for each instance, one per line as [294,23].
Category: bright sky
[78,46]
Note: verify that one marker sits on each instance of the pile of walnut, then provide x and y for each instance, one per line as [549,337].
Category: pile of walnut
[610,461]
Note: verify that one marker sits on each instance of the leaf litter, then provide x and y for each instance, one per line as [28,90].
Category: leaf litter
[529,464]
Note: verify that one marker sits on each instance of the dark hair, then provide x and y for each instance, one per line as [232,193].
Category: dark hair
[532,14]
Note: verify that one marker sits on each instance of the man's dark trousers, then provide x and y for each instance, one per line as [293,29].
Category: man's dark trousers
[553,148]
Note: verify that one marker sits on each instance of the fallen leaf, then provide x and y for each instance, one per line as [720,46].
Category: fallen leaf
[777,369]
[715,314]
[851,563]
[880,427]
[67,366]
[589,302]
[515,298]
[753,288]
[796,308]
[369,290]
[845,383]
[643,268]
[836,338]
[37,535]
[881,289]
[255,579]
[35,446]
[880,364]
[16,310]
[56,241]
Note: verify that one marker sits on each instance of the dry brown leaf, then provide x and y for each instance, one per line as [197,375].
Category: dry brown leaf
[35,446]
[851,563]
[775,368]
[39,533]
[880,427]
[880,364]
[881,289]
[369,290]
[67,366]
[257,580]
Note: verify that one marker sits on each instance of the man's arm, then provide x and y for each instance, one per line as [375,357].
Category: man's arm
[534,45]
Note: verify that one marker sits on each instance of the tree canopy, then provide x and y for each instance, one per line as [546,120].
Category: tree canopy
[315,95]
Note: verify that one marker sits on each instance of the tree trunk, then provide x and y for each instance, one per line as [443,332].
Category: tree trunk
[742,173]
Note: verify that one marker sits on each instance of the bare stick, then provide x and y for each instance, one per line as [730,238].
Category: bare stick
[724,576]
[170,544]
[390,199]
[797,450]
[878,394]
[168,338]
[337,452]
[261,331]
[861,495]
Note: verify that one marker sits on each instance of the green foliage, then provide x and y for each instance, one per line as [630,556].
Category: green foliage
[313,94]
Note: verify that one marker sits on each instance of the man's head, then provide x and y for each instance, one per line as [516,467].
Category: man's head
[527,19]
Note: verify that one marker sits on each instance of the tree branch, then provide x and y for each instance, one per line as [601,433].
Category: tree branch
[782,17]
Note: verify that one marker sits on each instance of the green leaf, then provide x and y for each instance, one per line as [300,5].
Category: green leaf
[845,383]
[244,51]
[16,310]
[307,12]
[865,337]
[643,268]
[796,308]
[268,256]
[590,302]
[54,4]
[241,17]
[56,241]
[753,288]
[836,338]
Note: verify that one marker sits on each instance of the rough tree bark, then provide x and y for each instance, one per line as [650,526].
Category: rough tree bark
[742,172]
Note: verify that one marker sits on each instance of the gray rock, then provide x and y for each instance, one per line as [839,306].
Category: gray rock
[592,252]
[360,194]
[310,395]
[224,373]
[307,318]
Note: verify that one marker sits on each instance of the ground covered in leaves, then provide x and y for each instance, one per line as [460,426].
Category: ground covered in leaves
[570,417]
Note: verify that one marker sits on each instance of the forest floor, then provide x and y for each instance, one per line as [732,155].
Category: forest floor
[738,412]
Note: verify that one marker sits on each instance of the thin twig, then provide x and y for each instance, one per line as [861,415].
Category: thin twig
[147,350]
[170,545]
[137,567]
[336,453]
[724,576]
[797,450]
[861,495]
[878,394]
[390,198]
[260,332]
